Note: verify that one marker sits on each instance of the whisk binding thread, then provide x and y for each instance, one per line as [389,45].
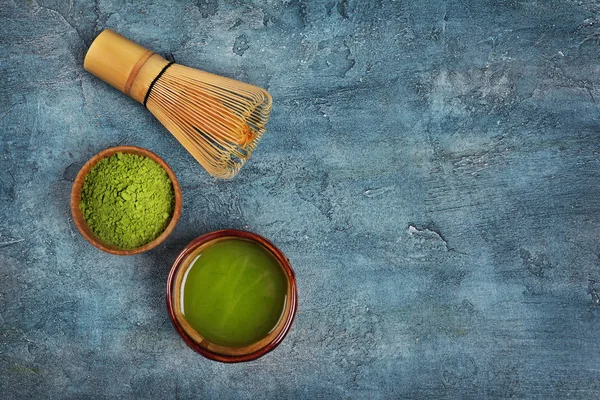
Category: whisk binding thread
[162,71]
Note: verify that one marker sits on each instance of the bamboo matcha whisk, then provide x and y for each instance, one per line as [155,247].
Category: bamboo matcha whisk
[217,119]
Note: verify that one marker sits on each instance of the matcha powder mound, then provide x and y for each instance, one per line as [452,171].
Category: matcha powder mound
[127,200]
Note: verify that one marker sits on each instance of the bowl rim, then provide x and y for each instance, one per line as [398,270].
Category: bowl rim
[79,219]
[285,323]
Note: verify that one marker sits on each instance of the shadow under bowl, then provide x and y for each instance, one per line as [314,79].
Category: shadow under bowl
[200,344]
[80,221]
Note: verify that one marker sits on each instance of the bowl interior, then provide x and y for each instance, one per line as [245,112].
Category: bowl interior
[80,221]
[194,339]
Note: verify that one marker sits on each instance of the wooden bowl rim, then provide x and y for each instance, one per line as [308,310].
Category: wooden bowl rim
[80,221]
[283,262]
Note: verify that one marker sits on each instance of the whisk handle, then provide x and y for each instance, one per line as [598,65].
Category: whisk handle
[123,64]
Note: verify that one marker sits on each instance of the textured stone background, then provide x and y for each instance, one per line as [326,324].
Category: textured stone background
[432,170]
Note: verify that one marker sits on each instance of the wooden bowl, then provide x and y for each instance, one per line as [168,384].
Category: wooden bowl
[233,354]
[80,221]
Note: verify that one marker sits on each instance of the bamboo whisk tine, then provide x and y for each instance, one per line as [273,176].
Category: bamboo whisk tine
[217,119]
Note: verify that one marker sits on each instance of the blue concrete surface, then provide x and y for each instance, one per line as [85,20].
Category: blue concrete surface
[432,170]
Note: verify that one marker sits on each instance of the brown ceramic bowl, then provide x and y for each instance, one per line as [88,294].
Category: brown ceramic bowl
[231,354]
[79,219]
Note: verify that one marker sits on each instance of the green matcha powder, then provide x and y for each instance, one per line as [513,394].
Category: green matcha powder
[127,200]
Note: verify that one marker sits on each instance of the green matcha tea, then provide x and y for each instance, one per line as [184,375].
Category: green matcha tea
[127,200]
[233,292]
